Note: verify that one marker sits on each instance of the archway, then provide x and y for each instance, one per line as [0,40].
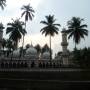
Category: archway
[2,65]
[6,65]
[14,65]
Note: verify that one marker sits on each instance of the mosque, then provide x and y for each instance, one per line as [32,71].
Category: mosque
[32,59]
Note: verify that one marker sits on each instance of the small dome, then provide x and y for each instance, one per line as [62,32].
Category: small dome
[31,51]
[46,55]
[16,53]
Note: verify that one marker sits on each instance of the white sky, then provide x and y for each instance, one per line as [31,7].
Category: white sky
[63,11]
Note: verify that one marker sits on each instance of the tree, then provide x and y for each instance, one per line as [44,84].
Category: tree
[28,12]
[2,4]
[15,31]
[50,28]
[10,46]
[1,34]
[81,57]
[4,43]
[76,29]
[1,27]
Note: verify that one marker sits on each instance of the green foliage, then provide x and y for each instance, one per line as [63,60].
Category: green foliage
[51,28]
[28,12]
[4,42]
[15,31]
[76,29]
[10,45]
[81,57]
[1,27]
[2,4]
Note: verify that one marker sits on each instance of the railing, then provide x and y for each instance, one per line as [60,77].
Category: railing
[28,63]
[22,63]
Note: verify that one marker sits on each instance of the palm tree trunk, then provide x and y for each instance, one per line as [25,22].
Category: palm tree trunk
[23,36]
[16,46]
[22,46]
[23,40]
[50,49]
[3,50]
[75,46]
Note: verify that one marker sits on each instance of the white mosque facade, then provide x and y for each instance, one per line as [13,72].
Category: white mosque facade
[33,59]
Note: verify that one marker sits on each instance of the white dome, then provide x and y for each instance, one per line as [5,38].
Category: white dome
[31,51]
[16,53]
[46,54]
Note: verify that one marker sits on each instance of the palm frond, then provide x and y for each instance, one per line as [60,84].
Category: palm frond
[76,29]
[83,26]
[28,12]
[51,27]
[23,14]
[15,30]
[70,35]
[2,4]
[85,32]
[57,24]
[30,16]
[44,29]
[44,22]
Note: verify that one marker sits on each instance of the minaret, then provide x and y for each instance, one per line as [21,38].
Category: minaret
[1,36]
[64,45]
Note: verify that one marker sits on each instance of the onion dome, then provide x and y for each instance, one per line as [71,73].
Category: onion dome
[31,51]
[46,55]
[16,53]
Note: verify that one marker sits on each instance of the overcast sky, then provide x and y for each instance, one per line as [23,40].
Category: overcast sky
[63,10]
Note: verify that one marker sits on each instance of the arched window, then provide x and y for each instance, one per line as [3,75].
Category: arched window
[14,65]
[40,65]
[10,65]
[2,65]
[32,64]
[6,65]
[43,65]
[25,65]
[47,65]
[18,65]
[22,65]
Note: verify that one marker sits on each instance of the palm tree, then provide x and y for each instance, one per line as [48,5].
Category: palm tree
[76,29]
[10,47]
[1,33]
[28,13]
[3,43]
[1,27]
[15,31]
[2,4]
[51,28]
